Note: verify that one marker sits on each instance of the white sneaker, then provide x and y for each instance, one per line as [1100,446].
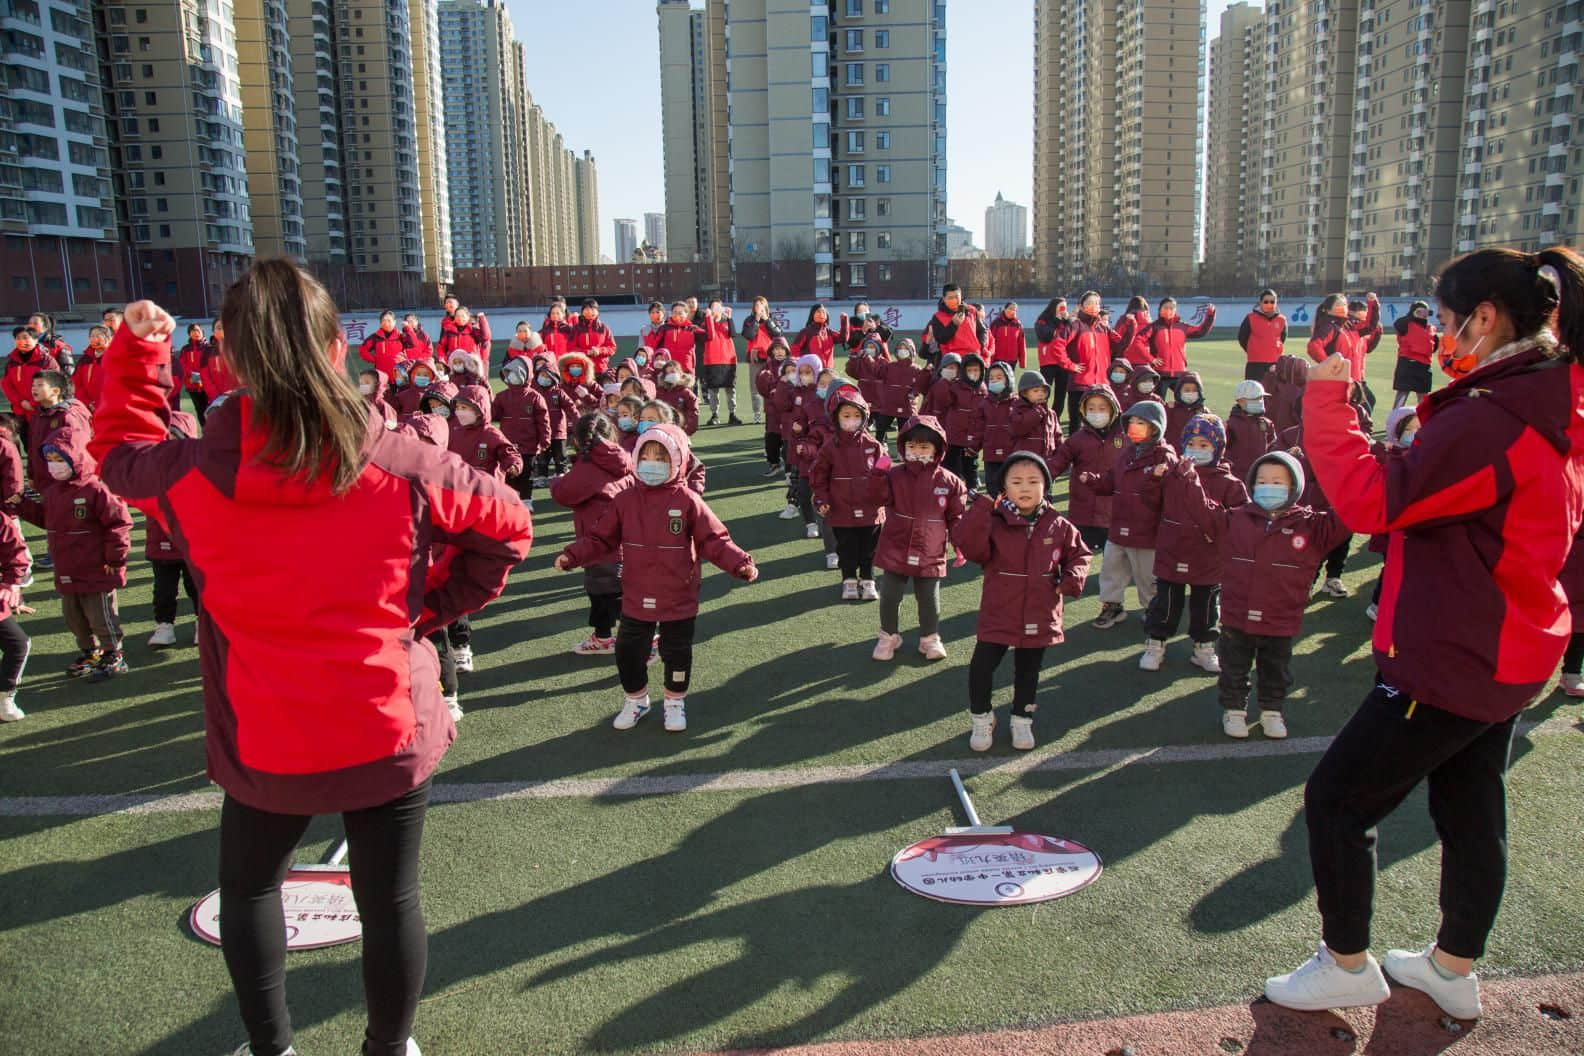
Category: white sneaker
[247,1050]
[1234,723]
[675,714]
[1458,997]
[1204,657]
[791,513]
[1334,588]
[983,727]
[886,646]
[633,709]
[1154,655]
[164,636]
[454,707]
[1573,685]
[811,530]
[849,589]
[1274,724]
[1022,732]
[9,712]
[930,647]
[832,561]
[1319,984]
[867,591]
[463,654]
[1372,612]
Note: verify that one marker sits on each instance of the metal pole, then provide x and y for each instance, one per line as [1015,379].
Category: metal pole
[962,794]
[338,856]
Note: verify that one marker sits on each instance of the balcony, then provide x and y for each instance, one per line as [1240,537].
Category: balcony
[1557,150]
[1553,179]
[1551,209]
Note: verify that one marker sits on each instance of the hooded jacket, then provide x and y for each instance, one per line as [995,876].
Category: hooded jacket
[1178,413]
[846,472]
[1138,377]
[1344,337]
[1124,388]
[588,489]
[818,339]
[384,349]
[864,365]
[90,530]
[896,381]
[194,355]
[473,339]
[468,369]
[958,402]
[86,379]
[765,383]
[810,422]
[1284,387]
[328,701]
[947,335]
[1262,336]
[787,397]
[1136,492]
[216,373]
[10,470]
[17,384]
[1035,428]
[1029,567]
[1167,340]
[580,390]
[1481,512]
[682,399]
[521,413]
[996,413]
[1248,437]
[923,501]
[1008,343]
[595,340]
[1185,552]
[380,398]
[14,561]
[45,423]
[1091,453]
[662,532]
[482,445]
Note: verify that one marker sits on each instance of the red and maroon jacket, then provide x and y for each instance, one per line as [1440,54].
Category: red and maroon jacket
[194,355]
[959,403]
[86,379]
[1248,437]
[766,382]
[481,445]
[1482,511]
[1091,453]
[896,384]
[1184,551]
[17,384]
[1085,349]
[966,339]
[1136,493]
[557,337]
[407,400]
[1008,343]
[520,411]
[384,349]
[819,339]
[331,701]
[1415,340]
[865,365]
[595,340]
[10,471]
[1028,568]
[996,435]
[471,341]
[1053,336]
[562,408]
[1284,385]
[788,397]
[1344,337]
[1035,428]
[1131,393]
[579,384]
[14,562]
[1167,340]
[157,543]
[662,532]
[846,473]
[680,342]
[380,399]
[215,373]
[1133,337]
[418,344]
[46,422]
[810,427]
[923,502]
[1262,336]
[1124,388]
[90,530]
[1178,413]
[683,400]
[590,486]
[720,346]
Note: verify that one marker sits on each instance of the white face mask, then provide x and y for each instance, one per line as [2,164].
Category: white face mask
[911,457]
[456,364]
[950,373]
[466,417]
[366,388]
[1146,387]
[1188,397]
[1098,419]
[850,425]
[60,470]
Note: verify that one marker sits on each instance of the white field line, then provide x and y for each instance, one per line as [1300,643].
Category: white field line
[738,780]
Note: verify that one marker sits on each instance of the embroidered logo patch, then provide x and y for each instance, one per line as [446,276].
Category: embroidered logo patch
[80,511]
[942,501]
[675,524]
[1117,442]
[1299,542]
[483,452]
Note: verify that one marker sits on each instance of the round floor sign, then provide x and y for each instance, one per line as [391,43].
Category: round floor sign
[995,869]
[319,908]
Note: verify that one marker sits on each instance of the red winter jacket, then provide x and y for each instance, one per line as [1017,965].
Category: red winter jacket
[557,337]
[194,356]
[1184,551]
[1248,437]
[327,700]
[481,445]
[1091,453]
[996,437]
[1028,569]
[1345,337]
[595,340]
[1035,428]
[845,476]
[17,383]
[384,349]
[1415,340]
[947,335]
[720,347]
[896,383]
[591,485]
[14,561]
[1136,494]
[89,529]
[819,339]
[1167,340]
[809,426]
[1053,335]
[520,411]
[86,379]
[1085,348]
[10,470]
[1482,511]
[923,502]
[46,422]
[680,342]
[215,373]
[471,341]
[1133,336]
[419,347]
[1263,336]
[662,532]
[1008,343]
[766,383]
[759,333]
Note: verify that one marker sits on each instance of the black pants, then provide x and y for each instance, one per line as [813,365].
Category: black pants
[524,481]
[964,463]
[1572,660]
[1335,560]
[14,648]
[1025,676]
[448,671]
[1056,378]
[993,477]
[1075,418]
[633,642]
[553,459]
[1269,655]
[1166,608]
[855,550]
[603,611]
[255,850]
[1389,745]
[773,445]
[1256,371]
[167,575]
[200,402]
[883,424]
[460,633]
[1094,537]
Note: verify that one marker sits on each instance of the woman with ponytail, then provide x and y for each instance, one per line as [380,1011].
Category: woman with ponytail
[1479,513]
[326,701]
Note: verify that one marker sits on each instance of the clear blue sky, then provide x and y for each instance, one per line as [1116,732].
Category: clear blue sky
[612,105]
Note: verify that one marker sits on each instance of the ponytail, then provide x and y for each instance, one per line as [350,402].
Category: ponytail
[1568,268]
[1533,289]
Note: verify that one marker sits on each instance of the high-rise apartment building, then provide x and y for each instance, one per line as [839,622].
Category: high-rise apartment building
[317,93]
[586,208]
[1130,78]
[434,194]
[1006,229]
[694,133]
[626,241]
[655,232]
[1237,97]
[269,127]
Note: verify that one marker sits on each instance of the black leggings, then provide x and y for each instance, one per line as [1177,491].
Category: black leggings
[448,671]
[524,480]
[460,633]
[603,610]
[167,576]
[1336,559]
[773,444]
[14,648]
[883,424]
[255,851]
[200,402]
[633,642]
[1056,379]
[1025,676]
[1572,660]
[554,458]
[964,463]
[855,550]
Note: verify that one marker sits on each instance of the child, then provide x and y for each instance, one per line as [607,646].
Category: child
[194,354]
[1135,487]
[1185,556]
[521,413]
[419,380]
[22,365]
[957,401]
[866,364]
[1284,384]
[1249,432]
[1034,424]
[557,332]
[1270,548]
[467,369]
[436,399]
[11,480]
[786,397]
[1032,558]
[676,389]
[371,383]
[628,410]
[996,437]
[578,384]
[1093,449]
[656,413]
[662,529]
[765,382]
[170,568]
[477,442]
[525,343]
[923,502]
[900,382]
[552,460]
[1187,402]
[86,378]
[1143,384]
[600,472]
[14,642]
[1117,376]
[90,536]
[810,427]
[844,478]
[465,335]
[53,410]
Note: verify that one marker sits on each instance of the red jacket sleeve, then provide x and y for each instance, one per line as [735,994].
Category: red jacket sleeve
[130,425]
[696,472]
[491,531]
[541,417]
[604,538]
[1074,561]
[507,456]
[1203,328]
[576,486]
[366,349]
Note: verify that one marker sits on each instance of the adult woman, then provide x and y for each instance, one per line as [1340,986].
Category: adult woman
[1481,512]
[330,702]
[1262,337]
[1050,332]
[1084,351]
[759,330]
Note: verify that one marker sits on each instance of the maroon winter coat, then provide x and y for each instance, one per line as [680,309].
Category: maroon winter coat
[662,532]
[683,400]
[589,487]
[43,426]
[1284,386]
[1136,494]
[996,437]
[520,411]
[810,426]
[1028,569]
[1178,412]
[865,365]
[923,502]
[845,477]
[897,382]
[14,561]
[88,527]
[407,400]
[1185,552]
[959,405]
[1248,437]
[10,470]
[1035,428]
[481,445]
[765,383]
[1135,394]
[1089,451]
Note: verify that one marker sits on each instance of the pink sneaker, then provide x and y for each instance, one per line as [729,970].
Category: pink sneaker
[595,646]
[886,646]
[931,648]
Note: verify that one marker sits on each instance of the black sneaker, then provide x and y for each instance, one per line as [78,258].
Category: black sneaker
[109,666]
[734,420]
[83,664]
[44,561]
[714,420]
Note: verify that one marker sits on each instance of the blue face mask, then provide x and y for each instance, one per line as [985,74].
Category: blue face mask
[422,381]
[998,387]
[576,372]
[640,359]
[626,424]
[546,382]
[820,392]
[1255,407]
[1199,456]
[515,377]
[441,411]
[1271,496]
[653,473]
[644,427]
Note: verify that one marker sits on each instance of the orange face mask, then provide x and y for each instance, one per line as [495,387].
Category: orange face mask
[1138,432]
[1457,366]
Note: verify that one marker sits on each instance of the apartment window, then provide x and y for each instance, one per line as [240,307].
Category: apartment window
[140,15]
[882,38]
[822,101]
[882,141]
[819,28]
[882,72]
[882,174]
[883,272]
[822,275]
[882,207]
[148,70]
[822,240]
[854,8]
[822,206]
[162,205]
[857,242]
[883,106]
[117,16]
[855,73]
[856,275]
[882,240]
[145,44]
[821,61]
[855,107]
[822,170]
[855,175]
[855,142]
[153,124]
[856,207]
[164,230]
[855,40]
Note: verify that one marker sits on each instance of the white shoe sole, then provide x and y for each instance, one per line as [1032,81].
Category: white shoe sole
[1410,971]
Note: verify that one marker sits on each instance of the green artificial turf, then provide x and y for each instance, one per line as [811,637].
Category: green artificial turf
[712,918]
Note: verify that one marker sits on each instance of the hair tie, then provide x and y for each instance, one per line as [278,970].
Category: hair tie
[1551,275]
